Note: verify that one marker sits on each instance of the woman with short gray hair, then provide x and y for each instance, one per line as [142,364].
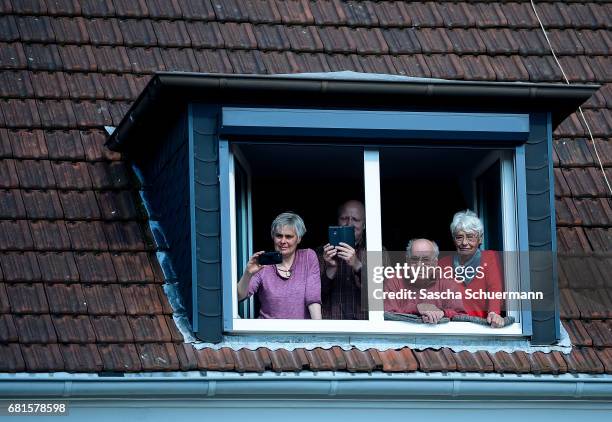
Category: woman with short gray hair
[474,268]
[291,288]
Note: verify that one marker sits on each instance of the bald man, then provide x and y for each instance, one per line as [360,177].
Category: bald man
[432,297]
[342,294]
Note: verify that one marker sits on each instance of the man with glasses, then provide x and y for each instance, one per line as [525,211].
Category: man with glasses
[425,292]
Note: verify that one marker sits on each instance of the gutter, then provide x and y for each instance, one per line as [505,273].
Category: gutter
[321,385]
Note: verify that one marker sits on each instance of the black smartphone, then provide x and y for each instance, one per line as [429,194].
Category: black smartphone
[339,234]
[269,258]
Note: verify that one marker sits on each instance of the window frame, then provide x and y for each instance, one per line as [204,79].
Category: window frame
[513,203]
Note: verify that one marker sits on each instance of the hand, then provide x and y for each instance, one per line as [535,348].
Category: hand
[253,266]
[495,320]
[349,255]
[430,313]
[329,255]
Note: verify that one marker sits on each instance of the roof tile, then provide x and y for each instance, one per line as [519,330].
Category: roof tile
[247,361]
[402,360]
[66,299]
[215,360]
[13,56]
[103,299]
[117,110]
[11,204]
[42,357]
[97,8]
[104,31]
[402,41]
[141,299]
[21,113]
[56,114]
[15,235]
[16,84]
[87,236]
[74,329]
[262,11]
[605,356]
[594,212]
[50,235]
[138,32]
[328,12]
[360,13]
[374,63]
[508,68]
[146,60]
[112,329]
[11,359]
[186,355]
[434,40]
[547,363]
[284,62]
[357,360]
[284,361]
[578,333]
[5,144]
[171,33]
[64,145]
[208,34]
[239,35]
[488,14]
[573,152]
[369,41]
[466,41]
[133,267]
[392,14]
[477,68]
[42,57]
[92,113]
[520,15]
[8,332]
[566,211]
[411,65]
[131,8]
[117,205]
[180,59]
[500,41]
[565,41]
[8,174]
[197,9]
[35,174]
[600,332]
[165,9]
[95,267]
[81,357]
[577,69]
[78,58]
[42,204]
[445,66]
[542,68]
[158,357]
[436,360]
[124,236]
[313,62]
[572,240]
[569,308]
[589,15]
[9,30]
[516,362]
[295,12]
[230,10]
[28,144]
[70,30]
[19,267]
[585,182]
[71,175]
[63,8]
[553,16]
[35,29]
[273,37]
[50,85]
[595,42]
[93,144]
[27,298]
[84,85]
[120,357]
[112,59]
[456,14]
[600,238]
[35,329]
[473,362]
[150,328]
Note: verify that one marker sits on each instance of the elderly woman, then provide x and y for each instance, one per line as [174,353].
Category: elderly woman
[467,231]
[292,288]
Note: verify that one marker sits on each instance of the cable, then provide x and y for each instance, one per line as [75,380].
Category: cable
[552,50]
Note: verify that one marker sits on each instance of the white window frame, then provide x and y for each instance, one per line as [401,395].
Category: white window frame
[375,324]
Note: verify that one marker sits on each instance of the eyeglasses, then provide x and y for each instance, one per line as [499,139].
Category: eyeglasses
[421,259]
[470,237]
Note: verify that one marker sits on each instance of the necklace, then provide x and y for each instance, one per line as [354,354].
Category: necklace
[286,273]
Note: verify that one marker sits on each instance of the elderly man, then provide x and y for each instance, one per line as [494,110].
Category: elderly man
[429,294]
[341,287]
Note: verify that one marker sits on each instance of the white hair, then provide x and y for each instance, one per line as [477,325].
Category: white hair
[467,221]
[289,219]
[433,244]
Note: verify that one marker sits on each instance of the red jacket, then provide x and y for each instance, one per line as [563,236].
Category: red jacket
[493,281]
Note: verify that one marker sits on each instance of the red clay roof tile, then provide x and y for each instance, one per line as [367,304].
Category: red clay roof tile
[56,114]
[35,329]
[478,67]
[112,329]
[270,37]
[411,65]
[436,360]
[402,40]
[569,308]
[197,9]
[5,144]
[186,356]
[229,10]
[15,235]
[262,11]
[64,145]
[124,236]
[50,85]
[11,359]
[377,64]
[74,329]
[77,58]
[11,204]
[103,299]
[70,30]
[137,32]
[21,113]
[434,40]
[547,363]
[169,9]
[595,42]
[131,8]
[516,362]
[473,362]
[445,66]
[213,61]
[313,62]
[5,306]
[117,110]
[572,240]
[95,267]
[207,34]
[391,14]
[402,360]
[239,35]
[8,174]
[9,30]
[93,145]
[8,332]
[295,12]
[579,336]
[369,41]
[328,12]
[92,113]
[508,68]
[600,332]
[35,174]
[284,361]
[247,361]
[179,59]
[50,235]
[87,236]
[456,14]
[27,298]
[215,360]
[276,62]
[104,31]
[120,357]
[84,86]
[158,357]
[81,357]
[171,33]
[42,204]
[360,13]
[66,299]
[42,357]
[12,56]
[600,239]
[71,175]
[150,328]
[16,84]
[19,267]
[583,360]
[97,8]
[35,29]
[141,299]
[357,360]
[133,267]
[58,267]
[28,144]
[605,356]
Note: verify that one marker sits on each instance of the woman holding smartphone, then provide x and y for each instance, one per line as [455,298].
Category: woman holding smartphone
[291,288]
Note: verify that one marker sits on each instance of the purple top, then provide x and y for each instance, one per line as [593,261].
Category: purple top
[288,299]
